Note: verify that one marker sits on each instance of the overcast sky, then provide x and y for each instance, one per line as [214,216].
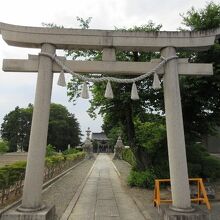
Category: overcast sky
[17,89]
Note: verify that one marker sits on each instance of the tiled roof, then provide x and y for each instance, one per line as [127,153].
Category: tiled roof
[99,136]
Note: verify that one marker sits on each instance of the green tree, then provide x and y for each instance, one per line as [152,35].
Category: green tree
[200,95]
[202,19]
[121,110]
[16,128]
[63,128]
[3,147]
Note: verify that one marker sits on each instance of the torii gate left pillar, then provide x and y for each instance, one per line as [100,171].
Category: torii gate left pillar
[38,136]
[32,206]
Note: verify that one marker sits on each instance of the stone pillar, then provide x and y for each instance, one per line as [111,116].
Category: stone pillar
[175,134]
[31,200]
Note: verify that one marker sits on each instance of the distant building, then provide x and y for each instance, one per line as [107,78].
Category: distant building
[100,142]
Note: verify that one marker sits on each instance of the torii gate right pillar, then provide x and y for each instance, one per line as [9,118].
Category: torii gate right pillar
[175,134]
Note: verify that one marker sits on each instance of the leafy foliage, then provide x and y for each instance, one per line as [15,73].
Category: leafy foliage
[128,156]
[3,147]
[202,92]
[203,19]
[200,99]
[201,164]
[84,23]
[50,150]
[12,176]
[9,174]
[63,128]
[70,151]
[16,128]
[143,179]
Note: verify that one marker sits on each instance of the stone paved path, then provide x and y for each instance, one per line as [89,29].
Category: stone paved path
[103,197]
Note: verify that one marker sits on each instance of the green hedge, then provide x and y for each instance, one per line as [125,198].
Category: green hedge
[10,174]
[128,156]
[200,164]
[142,179]
[13,174]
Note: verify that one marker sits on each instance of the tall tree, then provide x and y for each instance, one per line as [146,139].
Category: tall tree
[16,128]
[200,95]
[121,111]
[63,128]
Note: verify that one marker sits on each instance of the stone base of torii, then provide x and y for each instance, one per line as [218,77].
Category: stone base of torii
[107,41]
[47,213]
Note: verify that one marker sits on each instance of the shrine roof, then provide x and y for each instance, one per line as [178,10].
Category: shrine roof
[99,136]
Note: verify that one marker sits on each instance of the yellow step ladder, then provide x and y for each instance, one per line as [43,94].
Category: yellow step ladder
[201,193]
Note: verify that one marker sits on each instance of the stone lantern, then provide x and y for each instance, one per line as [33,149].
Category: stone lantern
[118,148]
[87,146]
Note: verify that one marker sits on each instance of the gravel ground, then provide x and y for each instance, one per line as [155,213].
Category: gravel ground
[61,192]
[144,197]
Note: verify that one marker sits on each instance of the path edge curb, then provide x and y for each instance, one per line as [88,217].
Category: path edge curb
[145,215]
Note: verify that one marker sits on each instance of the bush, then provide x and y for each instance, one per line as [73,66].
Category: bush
[201,164]
[9,174]
[142,179]
[50,150]
[128,156]
[3,147]
[70,151]
[13,174]
[194,170]
[210,167]
[54,160]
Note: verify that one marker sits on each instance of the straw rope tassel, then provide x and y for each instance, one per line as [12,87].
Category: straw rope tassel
[134,92]
[108,91]
[85,92]
[156,82]
[61,80]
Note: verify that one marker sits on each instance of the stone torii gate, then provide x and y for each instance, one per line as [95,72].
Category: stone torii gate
[48,40]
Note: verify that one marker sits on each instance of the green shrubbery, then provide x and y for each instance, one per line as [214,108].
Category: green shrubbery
[71,151]
[3,147]
[13,174]
[10,174]
[201,163]
[142,179]
[128,156]
[50,150]
[151,136]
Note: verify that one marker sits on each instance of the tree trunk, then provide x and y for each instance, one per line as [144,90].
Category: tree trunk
[139,153]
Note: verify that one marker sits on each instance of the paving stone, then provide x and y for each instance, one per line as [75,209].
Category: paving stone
[103,197]
[81,217]
[107,218]
[107,211]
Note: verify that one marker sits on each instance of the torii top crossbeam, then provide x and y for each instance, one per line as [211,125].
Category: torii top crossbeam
[63,38]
